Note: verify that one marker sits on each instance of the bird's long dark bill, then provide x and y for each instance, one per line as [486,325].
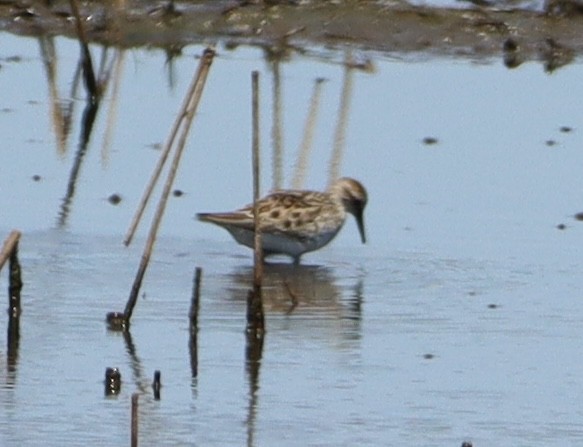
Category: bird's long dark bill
[360,222]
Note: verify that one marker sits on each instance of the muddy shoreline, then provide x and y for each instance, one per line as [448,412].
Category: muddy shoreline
[403,30]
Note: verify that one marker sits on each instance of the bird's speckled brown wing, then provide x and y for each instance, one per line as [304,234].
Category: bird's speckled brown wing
[295,213]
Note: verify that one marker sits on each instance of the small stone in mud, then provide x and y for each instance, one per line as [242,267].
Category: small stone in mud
[177,193]
[510,45]
[492,306]
[561,226]
[512,59]
[579,216]
[428,356]
[551,143]
[36,178]
[566,129]
[114,199]
[430,141]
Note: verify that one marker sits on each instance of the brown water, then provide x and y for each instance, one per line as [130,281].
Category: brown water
[460,320]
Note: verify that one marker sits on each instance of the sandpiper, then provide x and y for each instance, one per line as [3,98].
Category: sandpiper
[294,222]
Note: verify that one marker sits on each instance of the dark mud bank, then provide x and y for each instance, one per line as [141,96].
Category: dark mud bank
[553,36]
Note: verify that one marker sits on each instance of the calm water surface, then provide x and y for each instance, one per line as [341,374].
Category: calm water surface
[460,320]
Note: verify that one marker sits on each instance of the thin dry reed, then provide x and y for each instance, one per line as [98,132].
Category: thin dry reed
[188,112]
[258,252]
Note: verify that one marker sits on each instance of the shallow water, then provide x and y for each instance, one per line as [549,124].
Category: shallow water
[460,320]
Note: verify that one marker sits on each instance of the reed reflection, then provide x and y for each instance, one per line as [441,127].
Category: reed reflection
[96,87]
[139,378]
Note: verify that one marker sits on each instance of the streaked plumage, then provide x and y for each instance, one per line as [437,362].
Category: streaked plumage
[294,222]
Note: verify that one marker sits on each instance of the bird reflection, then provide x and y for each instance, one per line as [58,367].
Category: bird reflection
[288,289]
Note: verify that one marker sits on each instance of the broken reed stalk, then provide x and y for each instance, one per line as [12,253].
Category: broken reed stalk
[134,427]
[88,72]
[10,251]
[201,76]
[10,244]
[193,316]
[14,285]
[195,303]
[180,119]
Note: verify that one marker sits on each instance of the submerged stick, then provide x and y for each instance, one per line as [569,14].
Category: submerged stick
[134,428]
[10,244]
[201,77]
[255,316]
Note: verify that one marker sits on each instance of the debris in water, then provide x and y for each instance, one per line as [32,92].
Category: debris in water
[156,385]
[430,141]
[114,199]
[117,321]
[579,216]
[556,56]
[177,193]
[112,381]
[36,178]
[561,226]
[551,143]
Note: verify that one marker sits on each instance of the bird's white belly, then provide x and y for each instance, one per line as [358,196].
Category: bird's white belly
[278,243]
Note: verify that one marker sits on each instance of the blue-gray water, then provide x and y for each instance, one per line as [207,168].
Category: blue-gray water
[459,320]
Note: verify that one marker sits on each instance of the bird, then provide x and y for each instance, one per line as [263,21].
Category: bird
[294,222]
